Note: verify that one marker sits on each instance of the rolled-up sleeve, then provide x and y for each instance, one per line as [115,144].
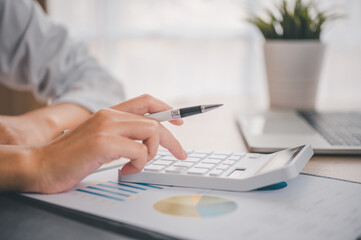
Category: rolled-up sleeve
[38,55]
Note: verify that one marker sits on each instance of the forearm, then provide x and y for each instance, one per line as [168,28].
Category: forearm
[57,118]
[17,168]
[42,125]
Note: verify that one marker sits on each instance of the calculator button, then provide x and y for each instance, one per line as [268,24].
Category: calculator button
[154,168]
[204,165]
[216,172]
[183,164]
[223,167]
[173,169]
[163,162]
[203,152]
[239,154]
[228,162]
[169,158]
[214,161]
[234,157]
[223,153]
[197,171]
[218,156]
[192,159]
[199,155]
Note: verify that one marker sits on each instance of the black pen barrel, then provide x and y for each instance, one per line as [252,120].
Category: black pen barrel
[189,111]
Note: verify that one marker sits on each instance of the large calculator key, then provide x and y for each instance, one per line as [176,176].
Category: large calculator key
[183,164]
[228,162]
[192,159]
[204,165]
[223,167]
[154,168]
[163,162]
[216,172]
[234,157]
[197,171]
[173,169]
[213,161]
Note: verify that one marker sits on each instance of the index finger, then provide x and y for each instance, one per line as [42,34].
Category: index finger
[145,104]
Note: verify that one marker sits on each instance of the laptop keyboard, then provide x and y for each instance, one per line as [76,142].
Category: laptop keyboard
[337,128]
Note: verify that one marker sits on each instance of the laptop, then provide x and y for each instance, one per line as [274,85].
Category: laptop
[327,132]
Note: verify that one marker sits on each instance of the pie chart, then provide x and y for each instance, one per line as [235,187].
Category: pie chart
[195,206]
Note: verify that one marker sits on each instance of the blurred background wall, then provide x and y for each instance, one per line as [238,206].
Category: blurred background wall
[184,47]
[180,48]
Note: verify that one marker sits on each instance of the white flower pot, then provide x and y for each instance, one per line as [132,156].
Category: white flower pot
[293,70]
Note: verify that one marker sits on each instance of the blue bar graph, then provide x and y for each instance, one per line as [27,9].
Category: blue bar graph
[118,188]
[110,188]
[99,194]
[108,191]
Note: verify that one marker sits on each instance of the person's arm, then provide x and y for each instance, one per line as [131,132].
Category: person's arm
[39,55]
[41,125]
[17,168]
[105,136]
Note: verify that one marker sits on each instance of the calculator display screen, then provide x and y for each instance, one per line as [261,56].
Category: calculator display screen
[281,159]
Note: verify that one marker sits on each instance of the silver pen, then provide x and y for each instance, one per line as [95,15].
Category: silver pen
[182,112]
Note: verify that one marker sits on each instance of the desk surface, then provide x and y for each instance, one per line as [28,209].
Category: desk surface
[215,130]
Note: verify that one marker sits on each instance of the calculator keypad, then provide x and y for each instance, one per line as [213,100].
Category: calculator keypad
[198,163]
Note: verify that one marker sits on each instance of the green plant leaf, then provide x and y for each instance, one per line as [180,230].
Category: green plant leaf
[297,22]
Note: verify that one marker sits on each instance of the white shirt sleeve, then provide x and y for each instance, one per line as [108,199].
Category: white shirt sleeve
[38,55]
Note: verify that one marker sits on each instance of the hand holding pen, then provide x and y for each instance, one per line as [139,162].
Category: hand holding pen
[124,130]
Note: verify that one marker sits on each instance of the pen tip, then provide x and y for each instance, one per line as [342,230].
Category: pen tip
[209,107]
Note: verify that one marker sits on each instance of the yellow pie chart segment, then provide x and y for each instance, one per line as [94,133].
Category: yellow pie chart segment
[195,206]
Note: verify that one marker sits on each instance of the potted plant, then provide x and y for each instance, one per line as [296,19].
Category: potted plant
[293,53]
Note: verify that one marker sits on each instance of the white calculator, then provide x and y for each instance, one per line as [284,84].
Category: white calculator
[223,170]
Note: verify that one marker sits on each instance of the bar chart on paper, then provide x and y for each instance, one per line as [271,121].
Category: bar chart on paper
[117,191]
[309,208]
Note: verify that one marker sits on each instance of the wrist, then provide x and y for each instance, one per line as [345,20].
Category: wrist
[18,169]
[52,120]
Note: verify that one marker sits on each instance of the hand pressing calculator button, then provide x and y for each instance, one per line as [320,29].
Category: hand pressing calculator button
[223,171]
